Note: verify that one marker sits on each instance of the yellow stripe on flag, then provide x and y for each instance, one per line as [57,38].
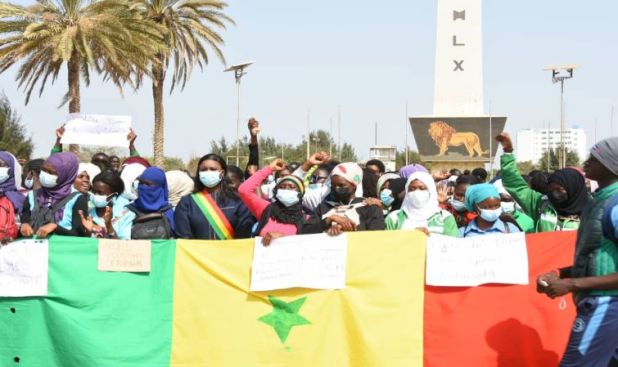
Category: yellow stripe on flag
[377,320]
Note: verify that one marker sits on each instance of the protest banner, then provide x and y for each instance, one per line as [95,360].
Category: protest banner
[101,130]
[23,268]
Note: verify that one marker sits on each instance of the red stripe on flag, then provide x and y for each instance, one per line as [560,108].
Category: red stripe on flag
[502,325]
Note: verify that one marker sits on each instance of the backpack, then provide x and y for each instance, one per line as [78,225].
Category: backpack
[8,227]
[151,226]
[45,215]
[609,228]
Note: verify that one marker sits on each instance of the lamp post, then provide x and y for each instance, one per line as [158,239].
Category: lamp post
[239,72]
[557,76]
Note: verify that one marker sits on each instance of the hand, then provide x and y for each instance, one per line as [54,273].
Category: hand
[88,223]
[507,143]
[254,126]
[26,230]
[277,165]
[424,230]
[270,236]
[131,137]
[335,230]
[318,158]
[442,193]
[44,231]
[374,202]
[59,133]
[442,175]
[107,217]
[559,287]
[345,224]
[543,281]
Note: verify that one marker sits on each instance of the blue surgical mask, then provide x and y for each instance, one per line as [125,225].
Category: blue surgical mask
[4,174]
[29,183]
[99,201]
[210,179]
[315,186]
[288,197]
[387,197]
[491,215]
[47,180]
[458,205]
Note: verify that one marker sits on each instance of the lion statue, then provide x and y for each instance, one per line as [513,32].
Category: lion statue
[446,136]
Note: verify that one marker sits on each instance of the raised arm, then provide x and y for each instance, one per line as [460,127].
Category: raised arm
[247,189]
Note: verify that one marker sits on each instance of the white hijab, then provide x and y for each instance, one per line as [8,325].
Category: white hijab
[179,184]
[129,174]
[91,169]
[417,217]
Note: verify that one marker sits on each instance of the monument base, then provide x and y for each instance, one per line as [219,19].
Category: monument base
[436,167]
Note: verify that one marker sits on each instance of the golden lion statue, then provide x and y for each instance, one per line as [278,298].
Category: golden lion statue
[446,136]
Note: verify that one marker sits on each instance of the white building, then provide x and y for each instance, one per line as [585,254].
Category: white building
[387,154]
[532,144]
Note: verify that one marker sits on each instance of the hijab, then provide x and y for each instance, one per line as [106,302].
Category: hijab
[417,217]
[397,186]
[575,186]
[66,166]
[129,174]
[91,169]
[179,184]
[476,194]
[153,199]
[293,214]
[406,171]
[9,187]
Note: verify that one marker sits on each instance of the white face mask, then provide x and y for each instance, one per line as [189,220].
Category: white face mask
[508,207]
[47,180]
[418,198]
[29,183]
[4,174]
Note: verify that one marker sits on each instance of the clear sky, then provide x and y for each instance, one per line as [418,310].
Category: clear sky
[370,58]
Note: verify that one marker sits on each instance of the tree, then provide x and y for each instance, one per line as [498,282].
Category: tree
[189,26]
[12,132]
[413,157]
[104,35]
[572,159]
[525,167]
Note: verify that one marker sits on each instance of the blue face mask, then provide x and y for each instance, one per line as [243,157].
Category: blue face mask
[288,197]
[491,215]
[210,179]
[48,181]
[387,197]
[4,174]
[29,183]
[459,206]
[99,201]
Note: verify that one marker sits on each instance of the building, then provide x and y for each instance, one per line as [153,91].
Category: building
[532,144]
[387,154]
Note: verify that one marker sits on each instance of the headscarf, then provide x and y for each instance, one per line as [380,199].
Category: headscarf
[417,217]
[406,171]
[91,169]
[476,194]
[66,166]
[9,187]
[129,174]
[370,182]
[152,199]
[385,177]
[136,160]
[606,152]
[500,187]
[179,184]
[352,173]
[575,186]
[397,186]
[288,214]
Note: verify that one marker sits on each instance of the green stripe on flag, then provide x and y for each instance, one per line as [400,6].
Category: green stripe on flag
[92,318]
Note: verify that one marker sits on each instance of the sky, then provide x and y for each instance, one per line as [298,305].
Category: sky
[370,58]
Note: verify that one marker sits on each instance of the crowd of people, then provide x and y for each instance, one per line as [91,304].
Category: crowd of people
[130,199]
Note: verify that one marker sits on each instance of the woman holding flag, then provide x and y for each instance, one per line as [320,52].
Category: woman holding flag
[213,211]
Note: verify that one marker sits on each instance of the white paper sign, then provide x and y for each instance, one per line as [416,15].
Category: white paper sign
[463,262]
[23,268]
[310,261]
[102,130]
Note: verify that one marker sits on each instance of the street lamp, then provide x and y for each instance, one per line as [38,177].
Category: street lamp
[558,76]
[239,72]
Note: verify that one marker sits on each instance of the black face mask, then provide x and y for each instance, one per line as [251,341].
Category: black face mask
[342,194]
[558,197]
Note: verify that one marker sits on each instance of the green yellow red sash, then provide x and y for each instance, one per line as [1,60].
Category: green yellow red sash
[218,221]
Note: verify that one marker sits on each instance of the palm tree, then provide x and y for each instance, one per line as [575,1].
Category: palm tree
[101,35]
[190,28]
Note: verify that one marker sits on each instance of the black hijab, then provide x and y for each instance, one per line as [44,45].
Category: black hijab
[575,186]
[397,185]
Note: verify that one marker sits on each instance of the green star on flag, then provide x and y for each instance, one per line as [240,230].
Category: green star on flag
[284,316]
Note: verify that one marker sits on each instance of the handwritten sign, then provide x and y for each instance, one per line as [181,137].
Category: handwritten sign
[23,268]
[462,262]
[124,256]
[309,261]
[102,130]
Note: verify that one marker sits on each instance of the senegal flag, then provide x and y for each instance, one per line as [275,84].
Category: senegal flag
[194,309]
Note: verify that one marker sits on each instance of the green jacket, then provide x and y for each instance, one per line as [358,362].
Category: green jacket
[595,255]
[525,222]
[533,203]
[441,222]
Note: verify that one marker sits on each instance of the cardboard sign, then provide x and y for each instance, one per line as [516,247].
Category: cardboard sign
[24,268]
[124,256]
[101,130]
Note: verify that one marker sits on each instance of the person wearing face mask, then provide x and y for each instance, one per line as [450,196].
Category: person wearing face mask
[285,215]
[560,209]
[389,188]
[348,211]
[420,209]
[510,207]
[456,204]
[319,188]
[484,199]
[108,216]
[214,211]
[55,207]
[30,174]
[11,201]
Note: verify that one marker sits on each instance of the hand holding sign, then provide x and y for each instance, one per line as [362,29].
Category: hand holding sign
[102,130]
